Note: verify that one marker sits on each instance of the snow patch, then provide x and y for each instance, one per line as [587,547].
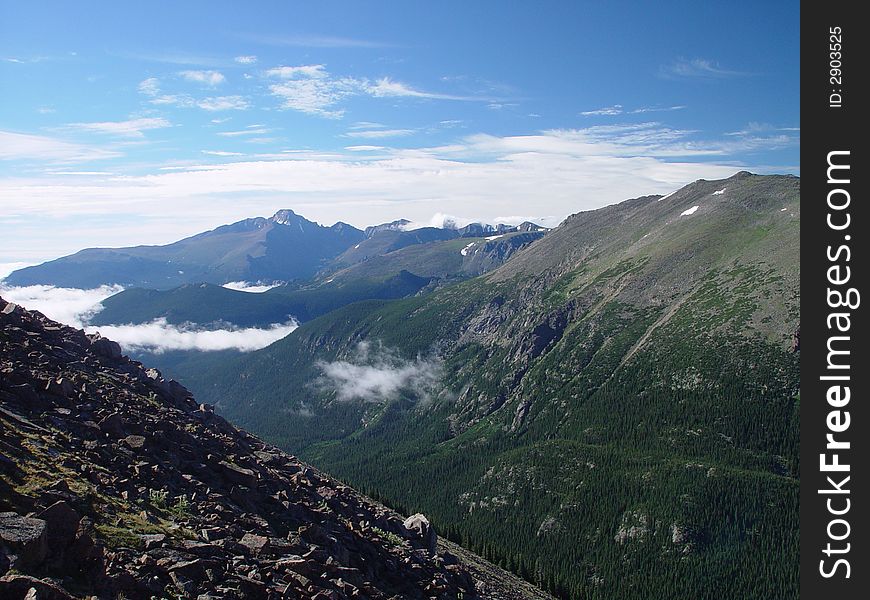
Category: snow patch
[783,209]
[494,237]
[667,195]
[356,247]
[689,211]
[464,251]
[720,192]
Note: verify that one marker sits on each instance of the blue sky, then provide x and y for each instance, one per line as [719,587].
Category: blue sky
[129,123]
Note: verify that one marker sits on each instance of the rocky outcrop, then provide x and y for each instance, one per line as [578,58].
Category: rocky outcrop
[115,482]
[418,528]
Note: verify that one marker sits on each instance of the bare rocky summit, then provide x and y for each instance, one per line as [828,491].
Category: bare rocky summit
[116,483]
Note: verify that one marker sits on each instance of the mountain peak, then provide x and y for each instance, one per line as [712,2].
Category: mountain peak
[285,216]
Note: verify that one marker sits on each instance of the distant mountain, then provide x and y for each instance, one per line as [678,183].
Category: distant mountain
[391,275]
[398,225]
[206,303]
[481,230]
[613,411]
[116,483]
[284,247]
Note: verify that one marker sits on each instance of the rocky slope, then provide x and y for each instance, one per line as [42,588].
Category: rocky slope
[116,483]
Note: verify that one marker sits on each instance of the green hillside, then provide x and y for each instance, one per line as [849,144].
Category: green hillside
[612,413]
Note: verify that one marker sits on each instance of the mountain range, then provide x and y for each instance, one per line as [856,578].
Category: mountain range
[612,412]
[608,409]
[285,247]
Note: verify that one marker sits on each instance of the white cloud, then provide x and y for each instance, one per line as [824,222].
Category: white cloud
[378,133]
[366,125]
[66,305]
[150,86]
[312,89]
[309,89]
[649,109]
[697,68]
[387,88]
[616,109]
[223,103]
[17,146]
[182,100]
[243,132]
[132,128]
[380,375]
[246,60]
[158,336]
[304,71]
[75,307]
[222,153]
[553,173]
[363,148]
[247,286]
[209,78]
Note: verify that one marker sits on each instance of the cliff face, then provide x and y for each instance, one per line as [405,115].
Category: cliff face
[115,482]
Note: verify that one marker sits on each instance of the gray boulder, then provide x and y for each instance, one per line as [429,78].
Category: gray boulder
[418,527]
[24,536]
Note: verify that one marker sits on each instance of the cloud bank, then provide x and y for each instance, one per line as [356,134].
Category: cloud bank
[553,172]
[158,336]
[379,375]
[247,286]
[76,307]
[69,306]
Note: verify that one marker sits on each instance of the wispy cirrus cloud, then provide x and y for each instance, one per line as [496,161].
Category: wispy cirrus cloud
[151,87]
[378,133]
[18,146]
[312,41]
[248,59]
[697,68]
[219,103]
[208,78]
[388,88]
[314,90]
[619,109]
[651,109]
[311,89]
[755,128]
[310,71]
[131,128]
[223,153]
[248,131]
[616,109]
